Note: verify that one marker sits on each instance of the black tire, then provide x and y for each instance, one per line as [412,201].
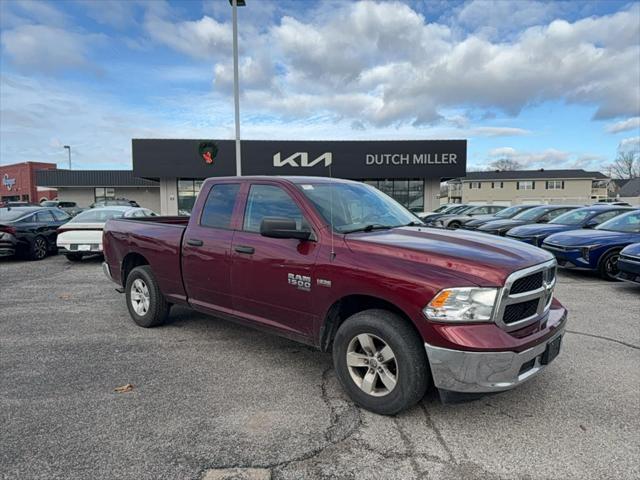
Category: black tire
[412,372]
[158,308]
[454,225]
[608,266]
[73,257]
[38,248]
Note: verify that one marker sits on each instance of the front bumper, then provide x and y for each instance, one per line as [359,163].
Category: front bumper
[486,372]
[629,268]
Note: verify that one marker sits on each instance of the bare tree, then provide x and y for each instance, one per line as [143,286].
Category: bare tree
[626,165]
[505,164]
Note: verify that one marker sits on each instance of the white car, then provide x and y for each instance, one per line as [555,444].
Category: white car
[82,235]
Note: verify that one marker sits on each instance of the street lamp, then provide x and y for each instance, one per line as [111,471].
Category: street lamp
[68,148]
[236,88]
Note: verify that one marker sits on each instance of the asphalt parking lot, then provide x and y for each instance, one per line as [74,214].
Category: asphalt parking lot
[212,395]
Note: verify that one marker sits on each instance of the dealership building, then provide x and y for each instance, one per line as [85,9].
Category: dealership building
[168,173]
[409,171]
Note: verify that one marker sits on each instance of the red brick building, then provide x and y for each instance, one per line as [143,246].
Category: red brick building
[18,182]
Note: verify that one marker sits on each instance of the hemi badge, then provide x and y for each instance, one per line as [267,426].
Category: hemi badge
[324,283]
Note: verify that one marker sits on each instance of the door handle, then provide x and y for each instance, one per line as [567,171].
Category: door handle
[195,242]
[245,249]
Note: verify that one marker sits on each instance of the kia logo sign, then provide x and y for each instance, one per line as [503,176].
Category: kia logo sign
[301,159]
[8,182]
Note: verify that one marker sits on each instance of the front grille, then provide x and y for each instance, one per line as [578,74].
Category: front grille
[526,284]
[520,311]
[526,296]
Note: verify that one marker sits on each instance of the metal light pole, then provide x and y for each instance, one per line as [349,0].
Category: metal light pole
[236,88]
[68,148]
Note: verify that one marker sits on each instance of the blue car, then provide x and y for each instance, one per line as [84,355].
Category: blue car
[629,263]
[587,217]
[597,249]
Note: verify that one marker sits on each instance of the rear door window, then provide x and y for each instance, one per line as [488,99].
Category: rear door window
[218,208]
[60,215]
[44,217]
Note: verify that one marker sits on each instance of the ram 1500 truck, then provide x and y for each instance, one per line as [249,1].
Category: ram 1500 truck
[341,266]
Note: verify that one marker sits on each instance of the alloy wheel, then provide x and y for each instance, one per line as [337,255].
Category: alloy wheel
[140,298]
[40,248]
[372,365]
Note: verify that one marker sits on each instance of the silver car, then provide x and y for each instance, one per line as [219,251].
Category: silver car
[456,220]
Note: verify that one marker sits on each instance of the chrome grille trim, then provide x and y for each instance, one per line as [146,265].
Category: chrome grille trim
[544,295]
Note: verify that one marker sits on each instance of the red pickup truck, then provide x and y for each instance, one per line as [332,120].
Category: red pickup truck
[341,266]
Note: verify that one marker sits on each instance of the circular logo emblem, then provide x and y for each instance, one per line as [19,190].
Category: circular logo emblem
[208,151]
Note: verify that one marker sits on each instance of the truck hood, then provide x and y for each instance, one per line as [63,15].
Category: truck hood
[583,238]
[479,258]
[540,229]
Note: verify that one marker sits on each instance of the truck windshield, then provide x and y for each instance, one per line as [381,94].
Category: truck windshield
[629,222]
[357,207]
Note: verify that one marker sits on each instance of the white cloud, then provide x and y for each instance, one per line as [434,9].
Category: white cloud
[631,144]
[48,49]
[202,39]
[550,158]
[498,131]
[624,125]
[391,66]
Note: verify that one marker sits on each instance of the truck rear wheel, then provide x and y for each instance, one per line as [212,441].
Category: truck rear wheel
[147,306]
[380,361]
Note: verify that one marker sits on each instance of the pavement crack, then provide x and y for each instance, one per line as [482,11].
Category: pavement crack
[332,435]
[431,424]
[601,337]
[411,449]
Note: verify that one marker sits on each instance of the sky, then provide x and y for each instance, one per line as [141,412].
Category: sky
[547,84]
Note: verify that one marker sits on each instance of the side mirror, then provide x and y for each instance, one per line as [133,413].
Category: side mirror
[544,220]
[276,227]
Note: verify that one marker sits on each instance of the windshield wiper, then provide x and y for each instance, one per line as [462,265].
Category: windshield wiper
[369,228]
[414,224]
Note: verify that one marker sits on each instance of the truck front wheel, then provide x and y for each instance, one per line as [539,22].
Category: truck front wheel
[147,306]
[380,361]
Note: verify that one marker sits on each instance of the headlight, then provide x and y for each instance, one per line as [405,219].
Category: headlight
[468,304]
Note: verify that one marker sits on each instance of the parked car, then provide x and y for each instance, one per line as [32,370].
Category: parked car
[82,235]
[541,214]
[597,249]
[587,217]
[17,203]
[629,263]
[339,265]
[474,223]
[432,217]
[30,231]
[119,202]
[71,208]
[454,220]
[449,207]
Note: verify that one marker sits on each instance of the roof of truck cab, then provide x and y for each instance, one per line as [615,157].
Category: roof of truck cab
[288,178]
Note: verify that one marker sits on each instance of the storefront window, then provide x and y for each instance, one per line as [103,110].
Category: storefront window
[409,193]
[104,193]
[187,192]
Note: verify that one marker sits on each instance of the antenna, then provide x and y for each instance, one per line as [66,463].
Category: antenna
[333,252]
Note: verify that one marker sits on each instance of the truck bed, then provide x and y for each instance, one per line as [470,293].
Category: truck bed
[157,240]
